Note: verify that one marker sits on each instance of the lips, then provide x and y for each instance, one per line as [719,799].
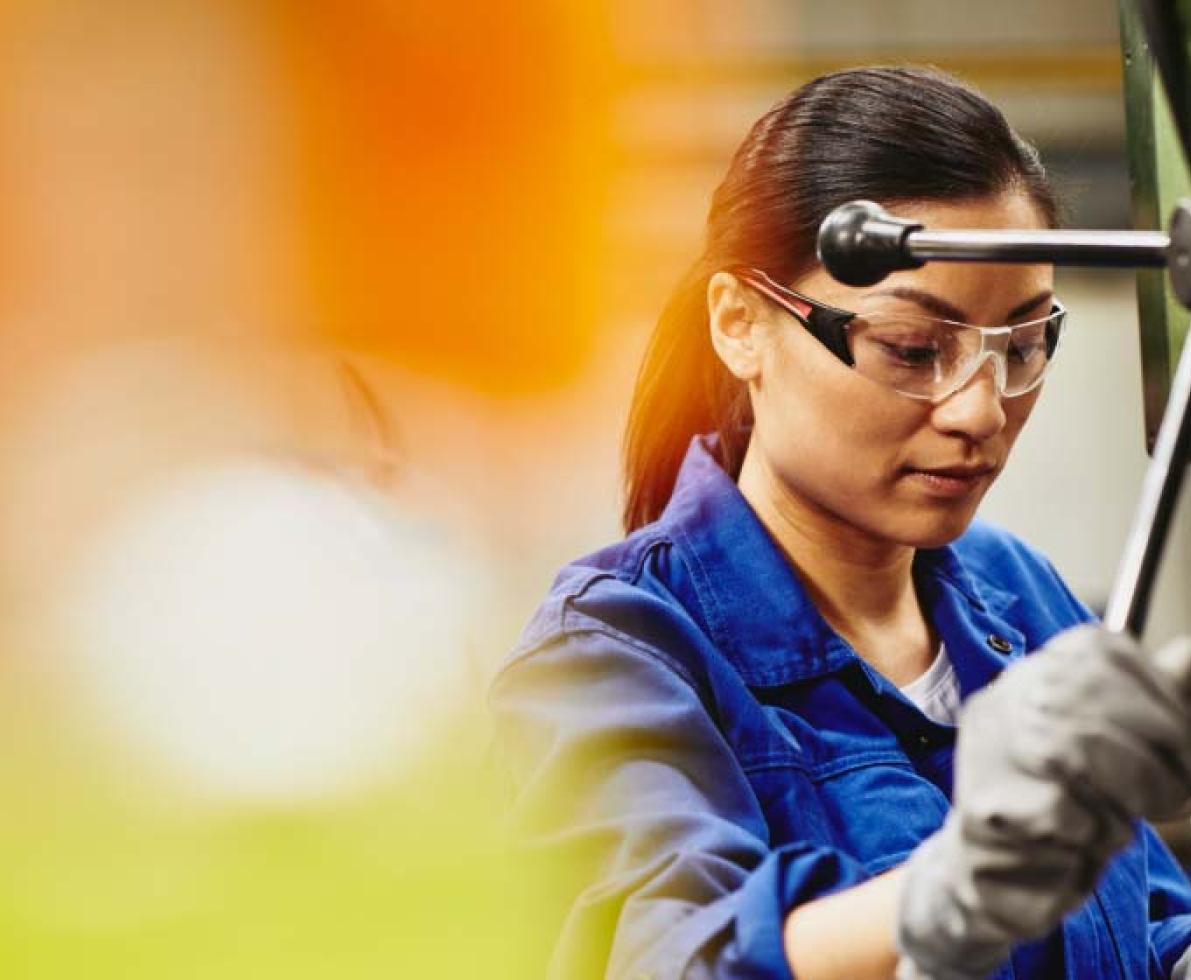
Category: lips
[950,481]
[956,472]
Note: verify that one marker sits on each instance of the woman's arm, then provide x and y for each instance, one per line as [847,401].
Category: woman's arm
[848,935]
[628,790]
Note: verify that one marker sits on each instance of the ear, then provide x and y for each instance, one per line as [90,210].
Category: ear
[735,331]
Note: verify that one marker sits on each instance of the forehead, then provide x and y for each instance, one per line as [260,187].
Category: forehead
[986,292]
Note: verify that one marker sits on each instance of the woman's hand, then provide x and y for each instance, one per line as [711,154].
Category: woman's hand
[1055,761]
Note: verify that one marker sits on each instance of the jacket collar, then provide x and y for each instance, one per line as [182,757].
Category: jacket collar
[759,614]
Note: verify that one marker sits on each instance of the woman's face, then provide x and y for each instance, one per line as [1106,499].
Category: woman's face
[852,450]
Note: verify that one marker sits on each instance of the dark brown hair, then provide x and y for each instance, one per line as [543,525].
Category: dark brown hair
[881,134]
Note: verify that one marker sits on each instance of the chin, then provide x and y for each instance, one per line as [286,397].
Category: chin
[934,530]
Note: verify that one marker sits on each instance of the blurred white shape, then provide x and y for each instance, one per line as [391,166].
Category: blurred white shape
[272,632]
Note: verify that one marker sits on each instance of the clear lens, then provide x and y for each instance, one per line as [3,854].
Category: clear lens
[1025,357]
[912,354]
[925,357]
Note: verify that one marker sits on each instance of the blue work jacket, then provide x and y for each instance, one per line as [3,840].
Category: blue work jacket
[696,752]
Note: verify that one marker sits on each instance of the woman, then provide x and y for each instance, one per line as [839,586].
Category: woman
[737,727]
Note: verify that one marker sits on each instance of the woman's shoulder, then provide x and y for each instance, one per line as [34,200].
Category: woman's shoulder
[635,592]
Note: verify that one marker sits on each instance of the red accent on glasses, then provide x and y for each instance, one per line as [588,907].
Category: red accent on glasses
[802,306]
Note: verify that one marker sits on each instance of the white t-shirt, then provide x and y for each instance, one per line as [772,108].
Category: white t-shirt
[936,693]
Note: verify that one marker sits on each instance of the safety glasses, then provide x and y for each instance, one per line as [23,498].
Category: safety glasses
[920,356]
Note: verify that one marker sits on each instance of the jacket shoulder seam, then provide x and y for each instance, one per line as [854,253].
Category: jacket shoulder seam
[589,626]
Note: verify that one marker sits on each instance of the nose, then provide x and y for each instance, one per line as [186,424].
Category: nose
[975,410]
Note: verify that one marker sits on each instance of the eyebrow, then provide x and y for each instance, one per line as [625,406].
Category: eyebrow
[940,307]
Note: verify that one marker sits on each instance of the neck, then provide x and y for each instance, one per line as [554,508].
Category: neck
[863,585]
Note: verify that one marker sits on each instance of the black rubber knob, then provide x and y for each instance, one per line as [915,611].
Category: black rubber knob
[860,243]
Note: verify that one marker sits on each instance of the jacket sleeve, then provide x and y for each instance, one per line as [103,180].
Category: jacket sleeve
[1169,905]
[631,800]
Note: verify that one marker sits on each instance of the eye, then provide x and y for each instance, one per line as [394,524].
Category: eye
[1025,349]
[1024,352]
[907,355]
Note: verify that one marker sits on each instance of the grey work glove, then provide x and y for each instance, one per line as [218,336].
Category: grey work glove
[1054,762]
[1182,969]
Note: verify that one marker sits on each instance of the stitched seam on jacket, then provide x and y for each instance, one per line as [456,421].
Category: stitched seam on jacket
[596,626]
[1112,933]
[636,647]
[709,605]
[837,767]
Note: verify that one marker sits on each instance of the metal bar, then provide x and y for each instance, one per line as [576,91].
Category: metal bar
[1124,249]
[1129,601]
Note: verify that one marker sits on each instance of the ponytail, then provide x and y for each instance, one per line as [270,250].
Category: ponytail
[683,390]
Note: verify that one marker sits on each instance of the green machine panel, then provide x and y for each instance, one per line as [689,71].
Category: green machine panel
[1158,178]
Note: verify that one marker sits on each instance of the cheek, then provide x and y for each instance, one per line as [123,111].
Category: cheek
[816,416]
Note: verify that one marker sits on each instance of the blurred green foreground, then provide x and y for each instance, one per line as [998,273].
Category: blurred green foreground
[108,874]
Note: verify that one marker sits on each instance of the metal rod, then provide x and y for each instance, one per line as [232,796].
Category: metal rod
[1129,601]
[1124,249]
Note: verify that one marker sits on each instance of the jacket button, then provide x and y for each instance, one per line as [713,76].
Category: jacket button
[999,643]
